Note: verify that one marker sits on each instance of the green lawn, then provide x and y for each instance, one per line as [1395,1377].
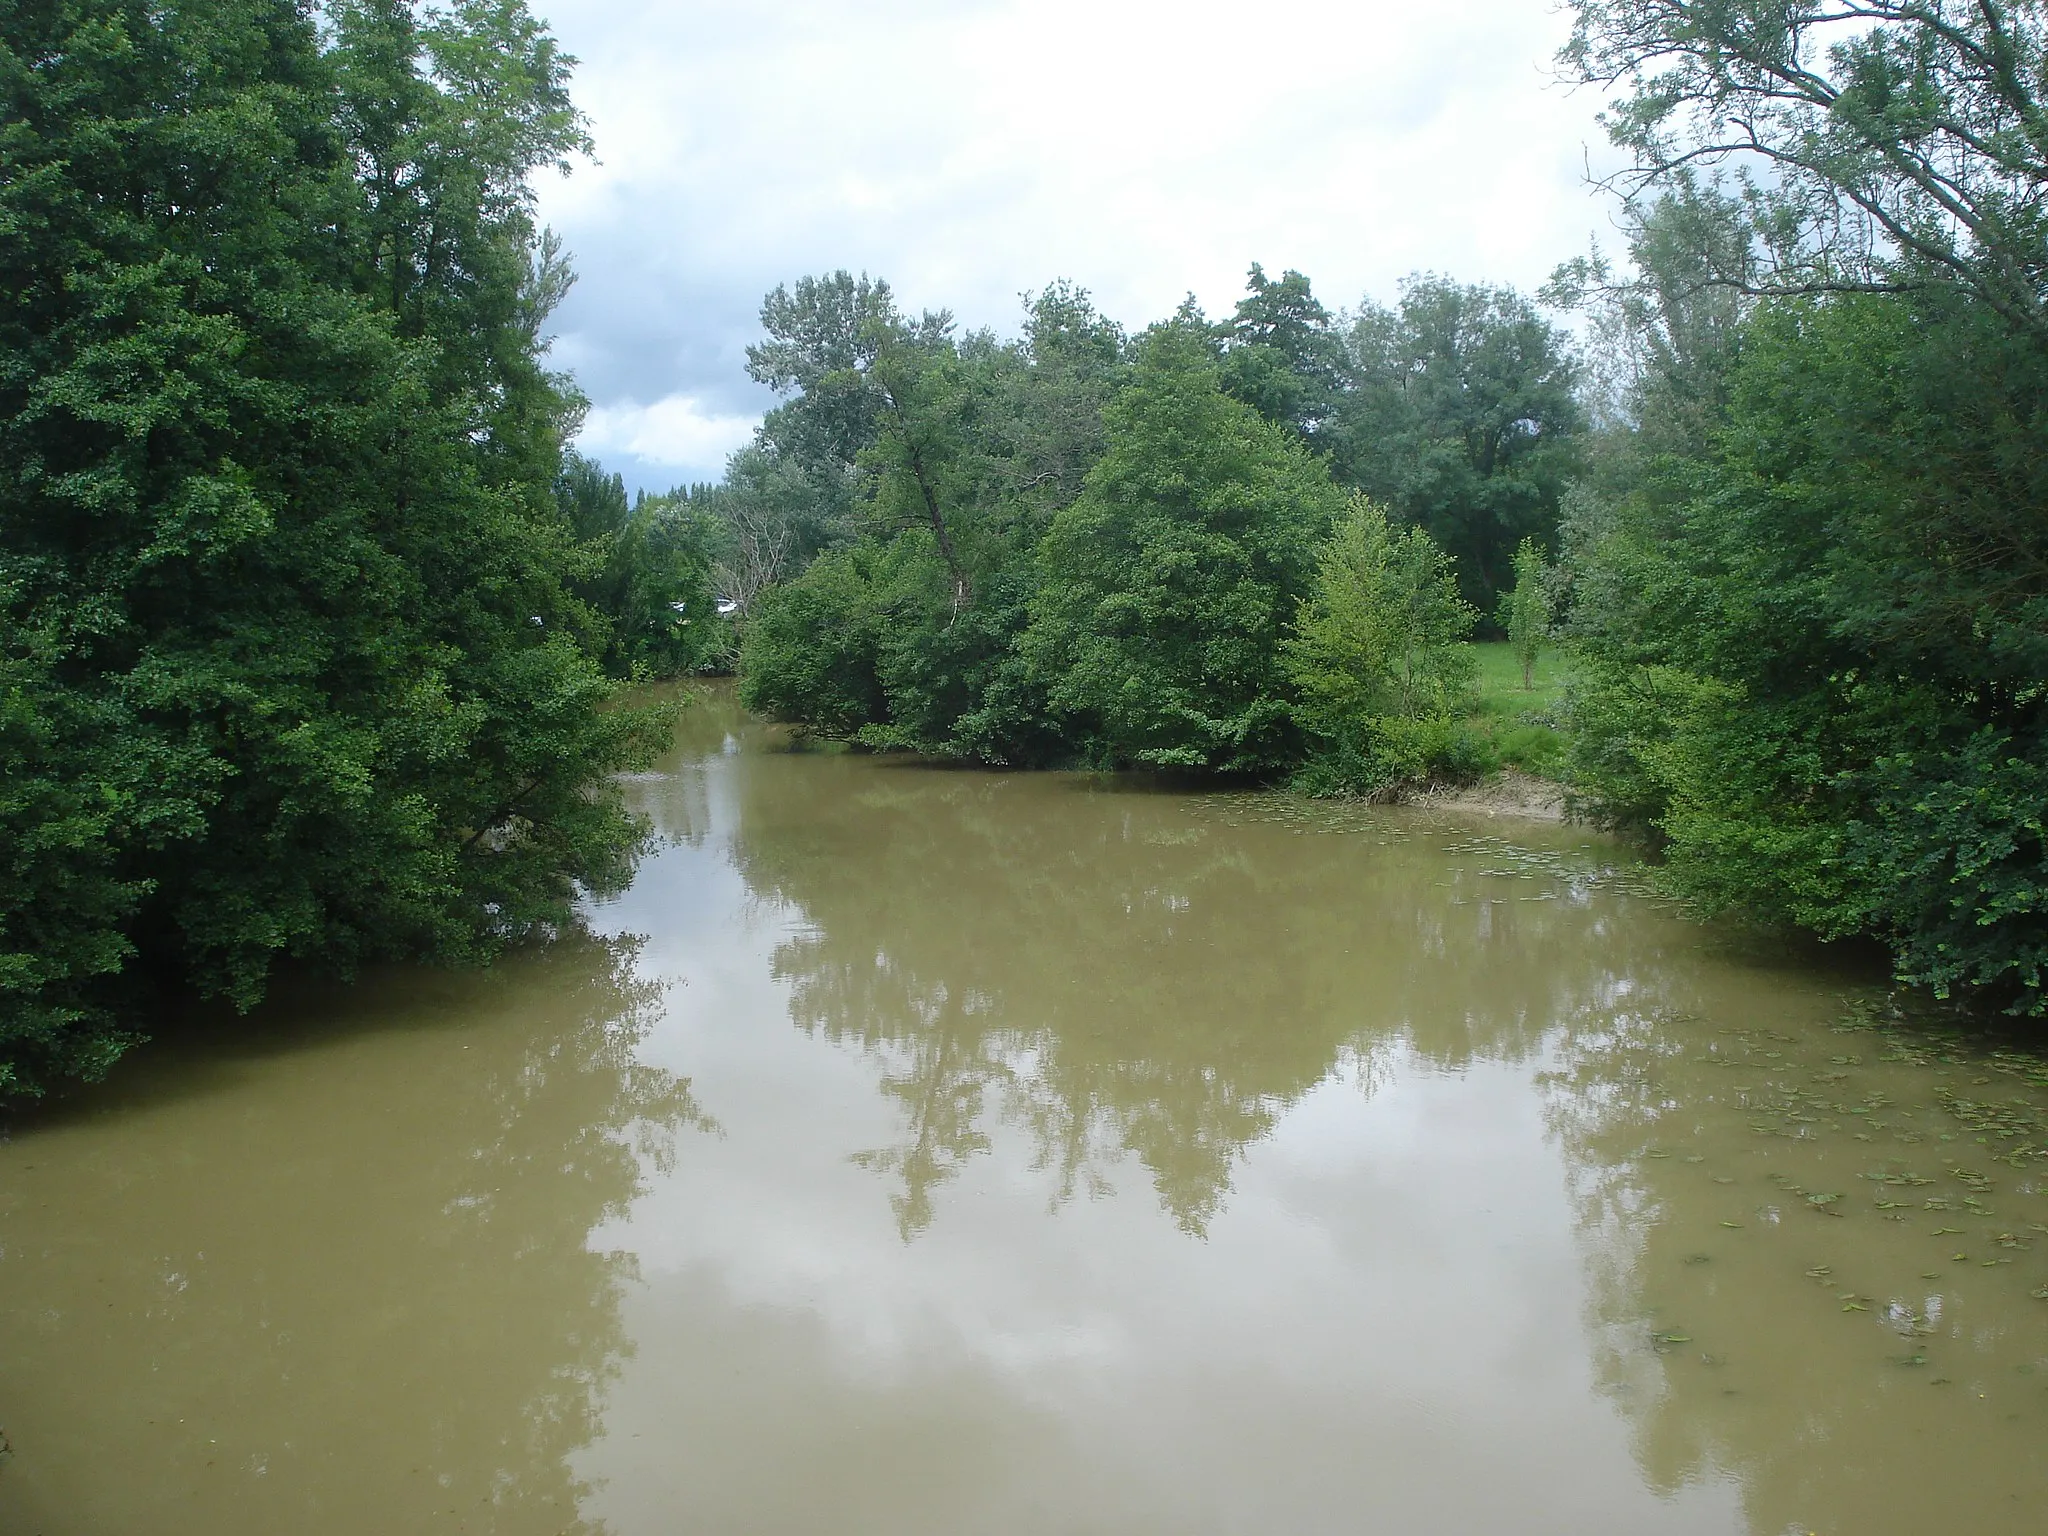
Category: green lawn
[1519,723]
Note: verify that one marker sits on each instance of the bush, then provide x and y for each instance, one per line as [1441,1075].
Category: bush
[812,651]
[1812,665]
[1378,660]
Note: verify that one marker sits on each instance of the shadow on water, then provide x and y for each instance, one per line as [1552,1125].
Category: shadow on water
[360,1298]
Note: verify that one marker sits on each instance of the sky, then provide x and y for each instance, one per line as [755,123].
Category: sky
[972,150]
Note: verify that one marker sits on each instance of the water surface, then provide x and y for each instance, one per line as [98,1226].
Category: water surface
[917,1151]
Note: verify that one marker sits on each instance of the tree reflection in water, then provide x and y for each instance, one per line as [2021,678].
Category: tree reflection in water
[1117,972]
[1120,974]
[371,1283]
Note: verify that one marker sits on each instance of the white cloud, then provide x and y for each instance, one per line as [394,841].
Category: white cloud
[971,149]
[674,432]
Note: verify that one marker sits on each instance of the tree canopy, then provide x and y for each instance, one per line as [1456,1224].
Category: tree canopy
[291,666]
[1812,618]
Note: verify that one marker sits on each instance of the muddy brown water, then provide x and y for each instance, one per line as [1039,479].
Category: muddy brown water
[915,1151]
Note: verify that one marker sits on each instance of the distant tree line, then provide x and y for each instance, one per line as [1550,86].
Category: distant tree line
[1081,546]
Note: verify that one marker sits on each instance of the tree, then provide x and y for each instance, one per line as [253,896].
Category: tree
[823,342]
[1281,355]
[1661,337]
[646,569]
[290,666]
[1165,588]
[1811,663]
[812,653]
[977,444]
[1525,609]
[1461,419]
[1377,655]
[763,523]
[1882,144]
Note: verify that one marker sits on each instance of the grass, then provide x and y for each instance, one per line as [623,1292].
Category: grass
[1518,723]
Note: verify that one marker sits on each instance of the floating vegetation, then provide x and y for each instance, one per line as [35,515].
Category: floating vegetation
[2014,1130]
[1578,871]
[1300,814]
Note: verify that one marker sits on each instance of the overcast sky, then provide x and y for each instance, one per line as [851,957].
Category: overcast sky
[969,150]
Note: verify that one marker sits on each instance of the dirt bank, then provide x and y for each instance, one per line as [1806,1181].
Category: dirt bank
[1509,793]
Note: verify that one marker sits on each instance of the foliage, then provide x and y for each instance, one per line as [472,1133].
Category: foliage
[1814,661]
[290,669]
[1378,660]
[1461,419]
[1068,554]
[1524,615]
[1660,338]
[1281,355]
[1167,585]
[763,523]
[909,637]
[821,348]
[812,652]
[1881,144]
[648,573]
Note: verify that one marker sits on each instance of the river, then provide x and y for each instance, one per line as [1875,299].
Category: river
[919,1151]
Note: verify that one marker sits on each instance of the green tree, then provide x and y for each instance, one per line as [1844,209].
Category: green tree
[1165,588]
[1461,418]
[823,341]
[1811,618]
[645,567]
[1524,615]
[1883,145]
[290,668]
[1378,658]
[813,651]
[976,444]
[1812,662]
[1661,336]
[1281,354]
